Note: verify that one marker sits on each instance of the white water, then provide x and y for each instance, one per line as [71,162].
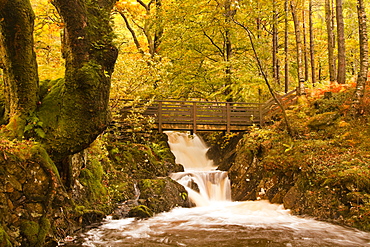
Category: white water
[211,185]
[217,221]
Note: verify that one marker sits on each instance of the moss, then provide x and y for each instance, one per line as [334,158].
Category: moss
[34,232]
[4,238]
[96,194]
[152,186]
[140,211]
[50,108]
[321,121]
[39,153]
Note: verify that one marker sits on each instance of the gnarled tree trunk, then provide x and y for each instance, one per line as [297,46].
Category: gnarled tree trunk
[71,112]
[79,112]
[18,61]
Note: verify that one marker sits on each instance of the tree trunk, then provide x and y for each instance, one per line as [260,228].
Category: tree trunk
[329,30]
[76,108]
[158,33]
[312,46]
[341,77]
[18,61]
[364,53]
[228,49]
[275,64]
[305,55]
[286,47]
[297,29]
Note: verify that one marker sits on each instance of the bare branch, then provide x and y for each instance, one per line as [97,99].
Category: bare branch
[214,44]
[250,36]
[132,31]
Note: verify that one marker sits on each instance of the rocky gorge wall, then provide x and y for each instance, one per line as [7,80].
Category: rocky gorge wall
[31,195]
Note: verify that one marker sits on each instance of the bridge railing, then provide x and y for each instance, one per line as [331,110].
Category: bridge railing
[204,115]
[199,115]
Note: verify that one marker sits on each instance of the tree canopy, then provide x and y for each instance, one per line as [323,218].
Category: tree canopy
[168,49]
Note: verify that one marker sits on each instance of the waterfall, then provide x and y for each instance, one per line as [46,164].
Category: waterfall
[202,181]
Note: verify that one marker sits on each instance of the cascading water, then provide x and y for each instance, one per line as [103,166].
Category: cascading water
[217,221]
[203,183]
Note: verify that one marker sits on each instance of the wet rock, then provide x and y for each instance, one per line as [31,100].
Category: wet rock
[245,175]
[291,197]
[140,211]
[162,194]
[92,216]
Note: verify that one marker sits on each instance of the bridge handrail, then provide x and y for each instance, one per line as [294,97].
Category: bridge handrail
[212,113]
[193,101]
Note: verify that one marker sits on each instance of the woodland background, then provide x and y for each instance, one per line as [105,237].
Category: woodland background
[201,49]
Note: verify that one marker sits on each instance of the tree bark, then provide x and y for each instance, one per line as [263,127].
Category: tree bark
[341,77]
[312,45]
[286,47]
[275,62]
[364,55]
[301,89]
[228,49]
[329,30]
[305,55]
[19,63]
[76,108]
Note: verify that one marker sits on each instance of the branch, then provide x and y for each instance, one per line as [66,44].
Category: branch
[213,43]
[132,31]
[250,34]
[146,6]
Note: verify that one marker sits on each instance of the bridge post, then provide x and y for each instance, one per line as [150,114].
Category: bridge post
[228,117]
[160,116]
[194,112]
[260,114]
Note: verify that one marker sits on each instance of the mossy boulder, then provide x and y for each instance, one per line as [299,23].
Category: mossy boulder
[140,211]
[34,232]
[321,121]
[4,238]
[162,194]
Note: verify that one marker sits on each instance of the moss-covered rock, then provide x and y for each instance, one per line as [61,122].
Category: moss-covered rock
[162,194]
[140,211]
[34,232]
[4,238]
[321,121]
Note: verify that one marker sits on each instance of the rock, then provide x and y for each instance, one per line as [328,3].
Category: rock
[291,197]
[92,216]
[320,121]
[162,194]
[140,212]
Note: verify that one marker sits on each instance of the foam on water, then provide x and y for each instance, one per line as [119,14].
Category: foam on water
[220,218]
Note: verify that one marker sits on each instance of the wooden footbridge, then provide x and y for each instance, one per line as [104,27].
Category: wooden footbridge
[211,116]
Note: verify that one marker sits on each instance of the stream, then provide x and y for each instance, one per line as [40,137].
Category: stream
[216,220]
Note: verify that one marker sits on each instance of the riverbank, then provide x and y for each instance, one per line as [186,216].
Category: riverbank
[321,171]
